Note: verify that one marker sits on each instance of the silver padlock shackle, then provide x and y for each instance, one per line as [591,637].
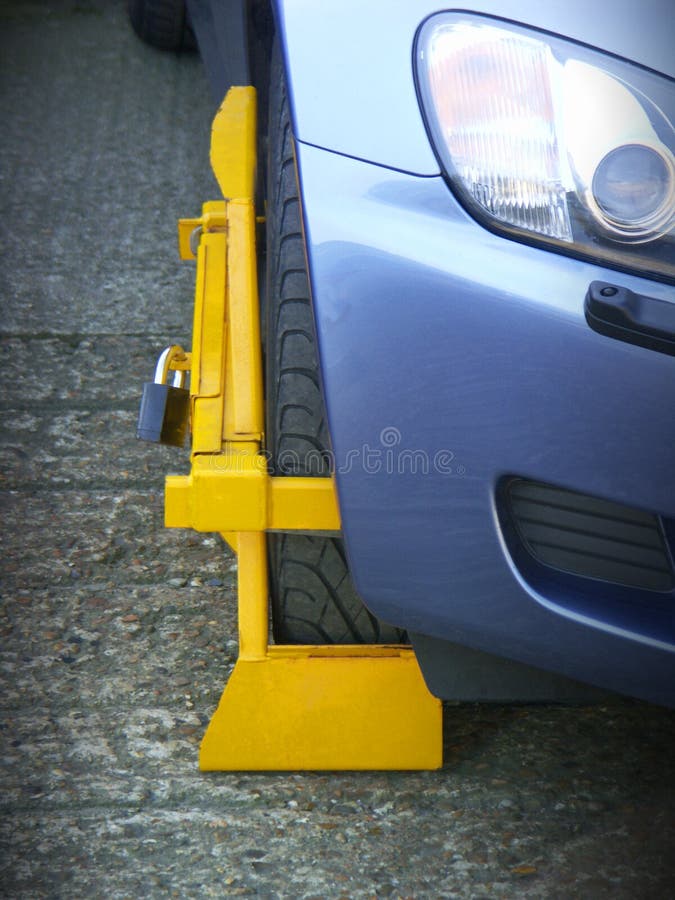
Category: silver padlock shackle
[163,366]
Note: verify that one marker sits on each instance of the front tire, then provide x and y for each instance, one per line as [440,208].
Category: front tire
[312,595]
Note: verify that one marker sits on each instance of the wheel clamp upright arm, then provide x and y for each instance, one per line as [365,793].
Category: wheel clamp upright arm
[284,707]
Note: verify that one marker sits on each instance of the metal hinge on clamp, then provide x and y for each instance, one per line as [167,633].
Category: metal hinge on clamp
[284,707]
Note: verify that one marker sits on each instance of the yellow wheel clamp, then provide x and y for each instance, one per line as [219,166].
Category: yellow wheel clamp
[284,707]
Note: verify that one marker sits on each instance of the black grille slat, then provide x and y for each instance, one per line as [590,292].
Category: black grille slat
[593,538]
[562,499]
[594,545]
[595,567]
[584,523]
[593,554]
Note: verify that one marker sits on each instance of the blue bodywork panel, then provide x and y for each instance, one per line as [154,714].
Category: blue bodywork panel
[444,343]
[350,63]
[454,359]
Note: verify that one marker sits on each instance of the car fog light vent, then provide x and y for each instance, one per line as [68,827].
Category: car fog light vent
[592,538]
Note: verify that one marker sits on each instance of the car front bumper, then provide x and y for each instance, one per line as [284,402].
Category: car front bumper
[453,358]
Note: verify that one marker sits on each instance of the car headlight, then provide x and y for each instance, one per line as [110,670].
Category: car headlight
[551,142]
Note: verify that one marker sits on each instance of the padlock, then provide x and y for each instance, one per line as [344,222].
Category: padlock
[165,408]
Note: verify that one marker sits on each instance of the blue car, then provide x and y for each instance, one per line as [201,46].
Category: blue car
[469,319]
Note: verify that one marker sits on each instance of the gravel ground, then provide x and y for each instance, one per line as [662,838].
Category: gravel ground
[118,636]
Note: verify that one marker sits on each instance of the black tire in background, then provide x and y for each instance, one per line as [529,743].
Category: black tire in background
[161,23]
[313,598]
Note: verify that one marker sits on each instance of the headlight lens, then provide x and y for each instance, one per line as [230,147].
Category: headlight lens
[551,142]
[632,189]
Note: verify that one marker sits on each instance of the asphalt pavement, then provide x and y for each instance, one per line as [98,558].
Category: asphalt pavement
[117,636]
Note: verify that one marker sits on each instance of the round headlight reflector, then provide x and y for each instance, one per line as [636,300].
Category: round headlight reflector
[633,187]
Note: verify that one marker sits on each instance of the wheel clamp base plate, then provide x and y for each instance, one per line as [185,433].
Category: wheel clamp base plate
[308,708]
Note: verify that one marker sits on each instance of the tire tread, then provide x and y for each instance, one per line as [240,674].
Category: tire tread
[313,597]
